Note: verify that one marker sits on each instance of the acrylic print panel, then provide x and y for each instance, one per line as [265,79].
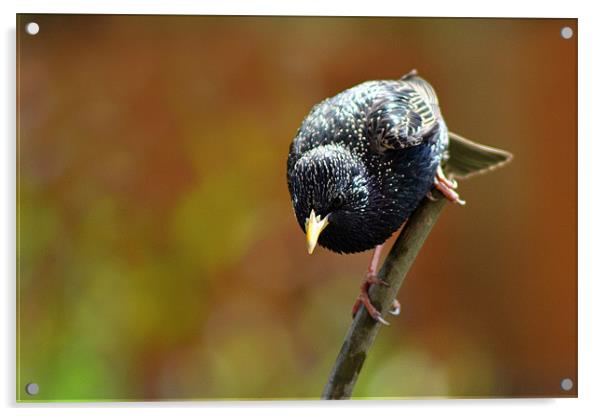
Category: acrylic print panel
[158,254]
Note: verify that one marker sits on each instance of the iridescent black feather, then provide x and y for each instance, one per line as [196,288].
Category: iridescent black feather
[366,157]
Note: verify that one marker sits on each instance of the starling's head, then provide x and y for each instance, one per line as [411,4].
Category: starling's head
[335,202]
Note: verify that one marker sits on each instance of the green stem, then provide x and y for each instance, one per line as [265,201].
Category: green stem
[363,330]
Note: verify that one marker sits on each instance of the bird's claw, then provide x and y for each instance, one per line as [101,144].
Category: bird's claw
[364,299]
[380,319]
[372,311]
[450,183]
[372,279]
[446,187]
[396,308]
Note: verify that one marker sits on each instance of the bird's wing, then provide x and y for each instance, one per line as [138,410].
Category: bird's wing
[425,89]
[403,115]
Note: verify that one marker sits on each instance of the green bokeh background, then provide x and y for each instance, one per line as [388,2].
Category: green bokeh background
[158,256]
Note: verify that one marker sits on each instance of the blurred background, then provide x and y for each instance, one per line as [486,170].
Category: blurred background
[158,254]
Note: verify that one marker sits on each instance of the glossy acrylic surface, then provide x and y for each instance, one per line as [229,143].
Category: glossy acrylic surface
[158,255]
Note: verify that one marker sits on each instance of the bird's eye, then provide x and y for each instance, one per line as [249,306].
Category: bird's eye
[337,202]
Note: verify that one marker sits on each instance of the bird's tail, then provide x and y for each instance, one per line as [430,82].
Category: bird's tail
[467,158]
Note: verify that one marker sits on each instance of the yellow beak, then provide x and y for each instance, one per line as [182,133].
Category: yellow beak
[313,227]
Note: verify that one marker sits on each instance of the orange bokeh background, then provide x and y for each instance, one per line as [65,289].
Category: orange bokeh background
[158,255]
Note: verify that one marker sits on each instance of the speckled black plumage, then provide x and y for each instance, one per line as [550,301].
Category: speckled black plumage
[366,157]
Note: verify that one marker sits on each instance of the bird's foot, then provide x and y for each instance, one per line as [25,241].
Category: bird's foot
[446,187]
[364,299]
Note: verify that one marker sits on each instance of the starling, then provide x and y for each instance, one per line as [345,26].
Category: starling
[362,161]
